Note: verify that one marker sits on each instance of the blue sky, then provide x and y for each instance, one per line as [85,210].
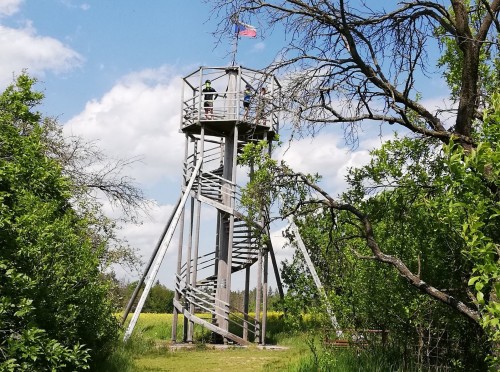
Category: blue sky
[111,39]
[111,72]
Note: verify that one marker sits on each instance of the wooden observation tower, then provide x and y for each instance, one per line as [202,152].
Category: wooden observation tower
[216,126]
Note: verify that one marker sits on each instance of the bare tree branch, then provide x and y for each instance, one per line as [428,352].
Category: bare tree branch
[366,62]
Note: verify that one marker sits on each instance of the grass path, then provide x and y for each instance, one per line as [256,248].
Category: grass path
[150,350]
[207,360]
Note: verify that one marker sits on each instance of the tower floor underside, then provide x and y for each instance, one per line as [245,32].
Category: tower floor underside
[224,127]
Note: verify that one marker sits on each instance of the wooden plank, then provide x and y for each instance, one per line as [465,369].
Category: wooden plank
[161,254]
[213,203]
[210,326]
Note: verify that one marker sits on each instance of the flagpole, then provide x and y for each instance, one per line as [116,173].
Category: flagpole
[235,48]
[241,29]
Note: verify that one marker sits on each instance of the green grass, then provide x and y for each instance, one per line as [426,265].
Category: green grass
[347,361]
[149,350]
[237,359]
[159,327]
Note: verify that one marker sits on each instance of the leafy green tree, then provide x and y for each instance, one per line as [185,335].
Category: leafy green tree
[54,311]
[160,300]
[403,210]
[238,298]
[436,238]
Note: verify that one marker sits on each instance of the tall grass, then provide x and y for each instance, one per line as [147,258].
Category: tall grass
[151,340]
[349,361]
[159,327]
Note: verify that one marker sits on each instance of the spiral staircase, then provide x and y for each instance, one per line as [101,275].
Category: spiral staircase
[199,296]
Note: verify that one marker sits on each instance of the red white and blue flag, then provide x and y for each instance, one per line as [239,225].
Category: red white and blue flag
[242,29]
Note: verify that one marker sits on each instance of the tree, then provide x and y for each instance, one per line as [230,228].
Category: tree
[414,220]
[160,299]
[349,64]
[54,311]
[340,68]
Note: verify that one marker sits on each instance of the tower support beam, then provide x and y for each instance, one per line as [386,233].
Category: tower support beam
[161,253]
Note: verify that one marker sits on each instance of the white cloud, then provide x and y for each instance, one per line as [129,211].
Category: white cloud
[282,249]
[259,46]
[325,155]
[146,234]
[9,7]
[144,237]
[138,118]
[443,107]
[25,49]
[71,4]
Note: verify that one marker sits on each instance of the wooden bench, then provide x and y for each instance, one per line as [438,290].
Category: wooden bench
[357,338]
[339,343]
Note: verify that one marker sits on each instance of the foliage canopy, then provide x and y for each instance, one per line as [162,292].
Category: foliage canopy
[54,311]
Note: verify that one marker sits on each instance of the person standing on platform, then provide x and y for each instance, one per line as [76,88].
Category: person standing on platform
[209,96]
[247,97]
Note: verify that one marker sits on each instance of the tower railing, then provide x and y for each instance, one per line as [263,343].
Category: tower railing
[261,111]
[228,106]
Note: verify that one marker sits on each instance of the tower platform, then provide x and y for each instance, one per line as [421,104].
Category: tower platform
[223,127]
[236,97]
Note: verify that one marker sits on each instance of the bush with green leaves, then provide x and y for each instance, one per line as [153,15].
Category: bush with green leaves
[54,311]
[435,207]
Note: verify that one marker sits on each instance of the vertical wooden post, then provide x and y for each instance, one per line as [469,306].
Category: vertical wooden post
[246,303]
[177,295]
[216,264]
[225,230]
[275,266]
[230,236]
[266,267]
[188,325]
[227,219]
[258,290]
[197,214]
[264,300]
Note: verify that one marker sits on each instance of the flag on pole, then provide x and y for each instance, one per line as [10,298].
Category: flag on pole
[242,29]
